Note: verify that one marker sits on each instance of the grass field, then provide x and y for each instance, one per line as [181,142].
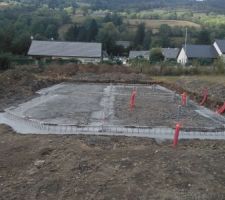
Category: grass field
[155,24]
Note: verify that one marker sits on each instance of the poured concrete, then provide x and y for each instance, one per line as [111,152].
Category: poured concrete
[105,108]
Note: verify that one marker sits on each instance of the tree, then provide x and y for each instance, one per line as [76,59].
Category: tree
[203,37]
[156,55]
[92,30]
[72,33]
[165,33]
[51,31]
[84,10]
[6,38]
[20,44]
[108,35]
[147,40]
[140,35]
[219,65]
[38,26]
[5,61]
[114,18]
[82,34]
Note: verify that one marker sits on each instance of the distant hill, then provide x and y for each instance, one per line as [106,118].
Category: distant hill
[206,5]
[195,5]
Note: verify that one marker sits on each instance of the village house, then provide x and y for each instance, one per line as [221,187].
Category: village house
[170,53]
[139,55]
[191,52]
[83,51]
[219,45]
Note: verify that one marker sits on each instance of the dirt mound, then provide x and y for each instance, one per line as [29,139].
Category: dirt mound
[61,71]
[216,89]
[112,77]
[194,86]
[99,69]
[19,84]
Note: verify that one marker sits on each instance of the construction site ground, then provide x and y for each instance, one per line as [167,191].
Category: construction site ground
[98,167]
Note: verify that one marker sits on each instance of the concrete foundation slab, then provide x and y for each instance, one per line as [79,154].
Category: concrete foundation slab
[104,109]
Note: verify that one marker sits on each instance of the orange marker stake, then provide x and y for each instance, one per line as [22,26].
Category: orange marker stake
[132,99]
[176,135]
[184,99]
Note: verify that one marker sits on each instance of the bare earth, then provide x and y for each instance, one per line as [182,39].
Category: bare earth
[39,167]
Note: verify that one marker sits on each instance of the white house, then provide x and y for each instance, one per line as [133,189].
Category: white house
[190,52]
[219,45]
[82,51]
[139,54]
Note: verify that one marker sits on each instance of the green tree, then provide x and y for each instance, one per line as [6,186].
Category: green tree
[52,31]
[203,37]
[5,61]
[20,44]
[6,38]
[108,35]
[164,34]
[219,65]
[92,30]
[147,40]
[72,33]
[82,34]
[140,35]
[84,10]
[156,55]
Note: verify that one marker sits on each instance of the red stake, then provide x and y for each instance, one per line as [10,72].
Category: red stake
[205,96]
[176,135]
[184,99]
[221,110]
[132,99]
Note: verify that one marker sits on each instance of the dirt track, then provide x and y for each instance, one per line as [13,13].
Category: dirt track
[77,167]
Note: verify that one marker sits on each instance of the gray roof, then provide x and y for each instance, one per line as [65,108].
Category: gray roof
[65,49]
[124,44]
[135,54]
[200,51]
[170,53]
[221,45]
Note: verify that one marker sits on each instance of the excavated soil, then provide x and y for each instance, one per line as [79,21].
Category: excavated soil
[50,167]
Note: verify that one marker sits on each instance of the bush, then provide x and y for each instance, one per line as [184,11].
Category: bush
[156,55]
[5,61]
[219,66]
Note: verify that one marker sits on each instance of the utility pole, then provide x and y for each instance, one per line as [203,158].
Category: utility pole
[185,45]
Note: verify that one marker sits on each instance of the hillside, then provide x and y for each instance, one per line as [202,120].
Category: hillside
[209,5]
[206,5]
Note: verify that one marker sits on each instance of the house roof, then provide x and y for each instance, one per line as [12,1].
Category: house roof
[221,45]
[65,49]
[135,54]
[170,53]
[200,51]
[124,44]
